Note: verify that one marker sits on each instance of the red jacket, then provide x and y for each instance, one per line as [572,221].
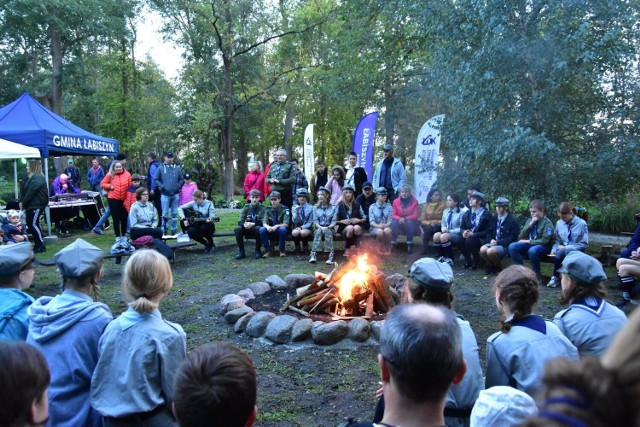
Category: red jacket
[254,180]
[121,183]
[411,212]
[131,197]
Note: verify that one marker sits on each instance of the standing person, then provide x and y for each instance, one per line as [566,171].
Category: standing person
[365,200]
[116,183]
[17,268]
[73,173]
[324,224]
[254,180]
[281,178]
[249,224]
[405,217]
[301,222]
[97,229]
[335,184]
[389,173]
[380,217]
[318,179]
[187,190]
[154,195]
[95,175]
[300,181]
[66,329]
[143,218]
[139,352]
[535,238]
[34,200]
[350,217]
[475,225]
[517,354]
[590,322]
[355,175]
[267,186]
[168,181]
[24,379]
[431,217]
[571,235]
[200,231]
[450,232]
[275,223]
[503,231]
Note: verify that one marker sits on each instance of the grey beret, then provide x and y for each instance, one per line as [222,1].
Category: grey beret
[502,201]
[381,190]
[275,194]
[254,192]
[349,187]
[79,259]
[478,195]
[325,189]
[431,274]
[302,192]
[387,147]
[583,268]
[16,257]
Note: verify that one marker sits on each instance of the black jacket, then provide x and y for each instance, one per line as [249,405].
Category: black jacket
[34,192]
[509,230]
[482,227]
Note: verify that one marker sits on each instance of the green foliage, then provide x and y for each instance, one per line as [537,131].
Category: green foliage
[614,218]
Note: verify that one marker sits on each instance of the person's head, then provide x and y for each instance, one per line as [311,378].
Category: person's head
[323,195]
[405,191]
[122,158]
[352,159]
[516,292]
[80,265]
[187,178]
[168,157]
[281,156]
[367,189]
[256,166]
[471,189]
[429,281]
[146,280]
[320,166]
[565,211]
[274,155]
[198,196]
[453,200]
[421,352]
[502,206]
[64,178]
[24,380]
[582,276]
[17,265]
[14,217]
[348,193]
[34,166]
[502,406]
[95,163]
[70,161]
[536,209]
[434,195]
[254,197]
[216,385]
[136,180]
[151,156]
[387,149]
[294,162]
[337,173]
[476,200]
[142,195]
[275,198]
[302,194]
[381,194]
[117,167]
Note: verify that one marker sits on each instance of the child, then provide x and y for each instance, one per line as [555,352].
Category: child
[14,231]
[140,352]
[324,223]
[380,216]
[301,217]
[136,182]
[186,192]
[17,267]
[66,329]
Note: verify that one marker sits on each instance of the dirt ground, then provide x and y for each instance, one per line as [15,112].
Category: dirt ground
[299,385]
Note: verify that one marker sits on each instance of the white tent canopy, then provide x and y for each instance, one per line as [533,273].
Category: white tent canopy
[12,150]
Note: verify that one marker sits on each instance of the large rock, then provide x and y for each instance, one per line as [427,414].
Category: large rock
[299,280]
[359,329]
[330,333]
[376,327]
[259,288]
[232,301]
[301,330]
[279,329]
[276,282]
[258,324]
[396,281]
[247,294]
[241,323]
[233,315]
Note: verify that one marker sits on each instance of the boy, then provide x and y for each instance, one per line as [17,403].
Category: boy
[535,238]
[301,220]
[249,224]
[276,220]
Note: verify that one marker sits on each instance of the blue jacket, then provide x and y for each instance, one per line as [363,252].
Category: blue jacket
[14,322]
[66,329]
[94,178]
[153,168]
[168,179]
[398,175]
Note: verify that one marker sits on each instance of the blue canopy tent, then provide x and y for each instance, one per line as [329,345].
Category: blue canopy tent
[27,122]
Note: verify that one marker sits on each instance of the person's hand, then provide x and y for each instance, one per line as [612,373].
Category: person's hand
[379,391]
[444,230]
[248,225]
[64,186]
[493,242]
[150,192]
[524,241]
[534,219]
[20,205]
[434,223]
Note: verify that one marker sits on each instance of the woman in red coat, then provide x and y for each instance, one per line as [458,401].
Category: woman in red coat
[405,217]
[254,181]
[116,183]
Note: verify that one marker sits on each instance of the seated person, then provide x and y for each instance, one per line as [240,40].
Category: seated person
[349,218]
[502,406]
[17,267]
[628,271]
[450,233]
[631,251]
[535,238]
[202,228]
[216,385]
[249,224]
[405,217]
[24,379]
[380,217]
[324,224]
[365,200]
[503,231]
[571,235]
[301,221]
[430,218]
[475,225]
[275,223]
[62,185]
[14,231]
[143,217]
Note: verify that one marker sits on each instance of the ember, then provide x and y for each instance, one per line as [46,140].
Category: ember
[355,289]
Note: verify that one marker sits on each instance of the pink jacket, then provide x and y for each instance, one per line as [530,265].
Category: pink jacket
[336,191]
[411,212]
[186,193]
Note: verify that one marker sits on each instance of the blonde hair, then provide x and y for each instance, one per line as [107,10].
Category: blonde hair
[35,166]
[146,276]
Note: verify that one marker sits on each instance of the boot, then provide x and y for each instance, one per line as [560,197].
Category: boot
[312,257]
[409,245]
[241,255]
[258,254]
[330,259]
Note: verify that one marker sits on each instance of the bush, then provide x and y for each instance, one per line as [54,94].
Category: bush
[614,218]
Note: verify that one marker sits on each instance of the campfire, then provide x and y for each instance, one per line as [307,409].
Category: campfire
[355,289]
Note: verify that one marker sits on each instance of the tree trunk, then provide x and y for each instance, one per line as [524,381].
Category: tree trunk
[241,151]
[288,125]
[56,65]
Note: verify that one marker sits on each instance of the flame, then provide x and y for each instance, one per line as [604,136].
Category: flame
[356,280]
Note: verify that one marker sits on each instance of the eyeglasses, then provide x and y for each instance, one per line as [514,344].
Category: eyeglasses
[144,194]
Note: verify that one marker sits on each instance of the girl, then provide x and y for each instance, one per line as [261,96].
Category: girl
[143,216]
[405,217]
[431,218]
[324,222]
[449,229]
[517,354]
[475,225]
[380,216]
[35,198]
[140,352]
[503,231]
[335,184]
[301,221]
[187,189]
[116,183]
[350,217]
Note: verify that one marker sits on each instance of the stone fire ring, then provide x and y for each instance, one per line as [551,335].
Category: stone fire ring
[288,329]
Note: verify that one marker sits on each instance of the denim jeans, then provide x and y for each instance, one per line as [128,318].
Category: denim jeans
[281,233]
[535,254]
[408,228]
[103,218]
[170,202]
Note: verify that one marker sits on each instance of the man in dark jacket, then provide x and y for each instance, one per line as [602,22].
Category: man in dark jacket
[73,173]
[168,180]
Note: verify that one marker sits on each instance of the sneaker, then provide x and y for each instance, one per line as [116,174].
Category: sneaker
[553,283]
[267,254]
[242,255]
[257,255]
[441,259]
[312,258]
[449,261]
[346,253]
[97,231]
[282,254]
[330,259]
[39,249]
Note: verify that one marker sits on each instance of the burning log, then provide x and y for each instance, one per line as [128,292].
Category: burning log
[296,310]
[321,286]
[369,310]
[313,298]
[333,301]
[383,290]
[352,303]
[322,300]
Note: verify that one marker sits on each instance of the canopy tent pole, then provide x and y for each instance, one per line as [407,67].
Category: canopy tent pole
[47,211]
[15,177]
